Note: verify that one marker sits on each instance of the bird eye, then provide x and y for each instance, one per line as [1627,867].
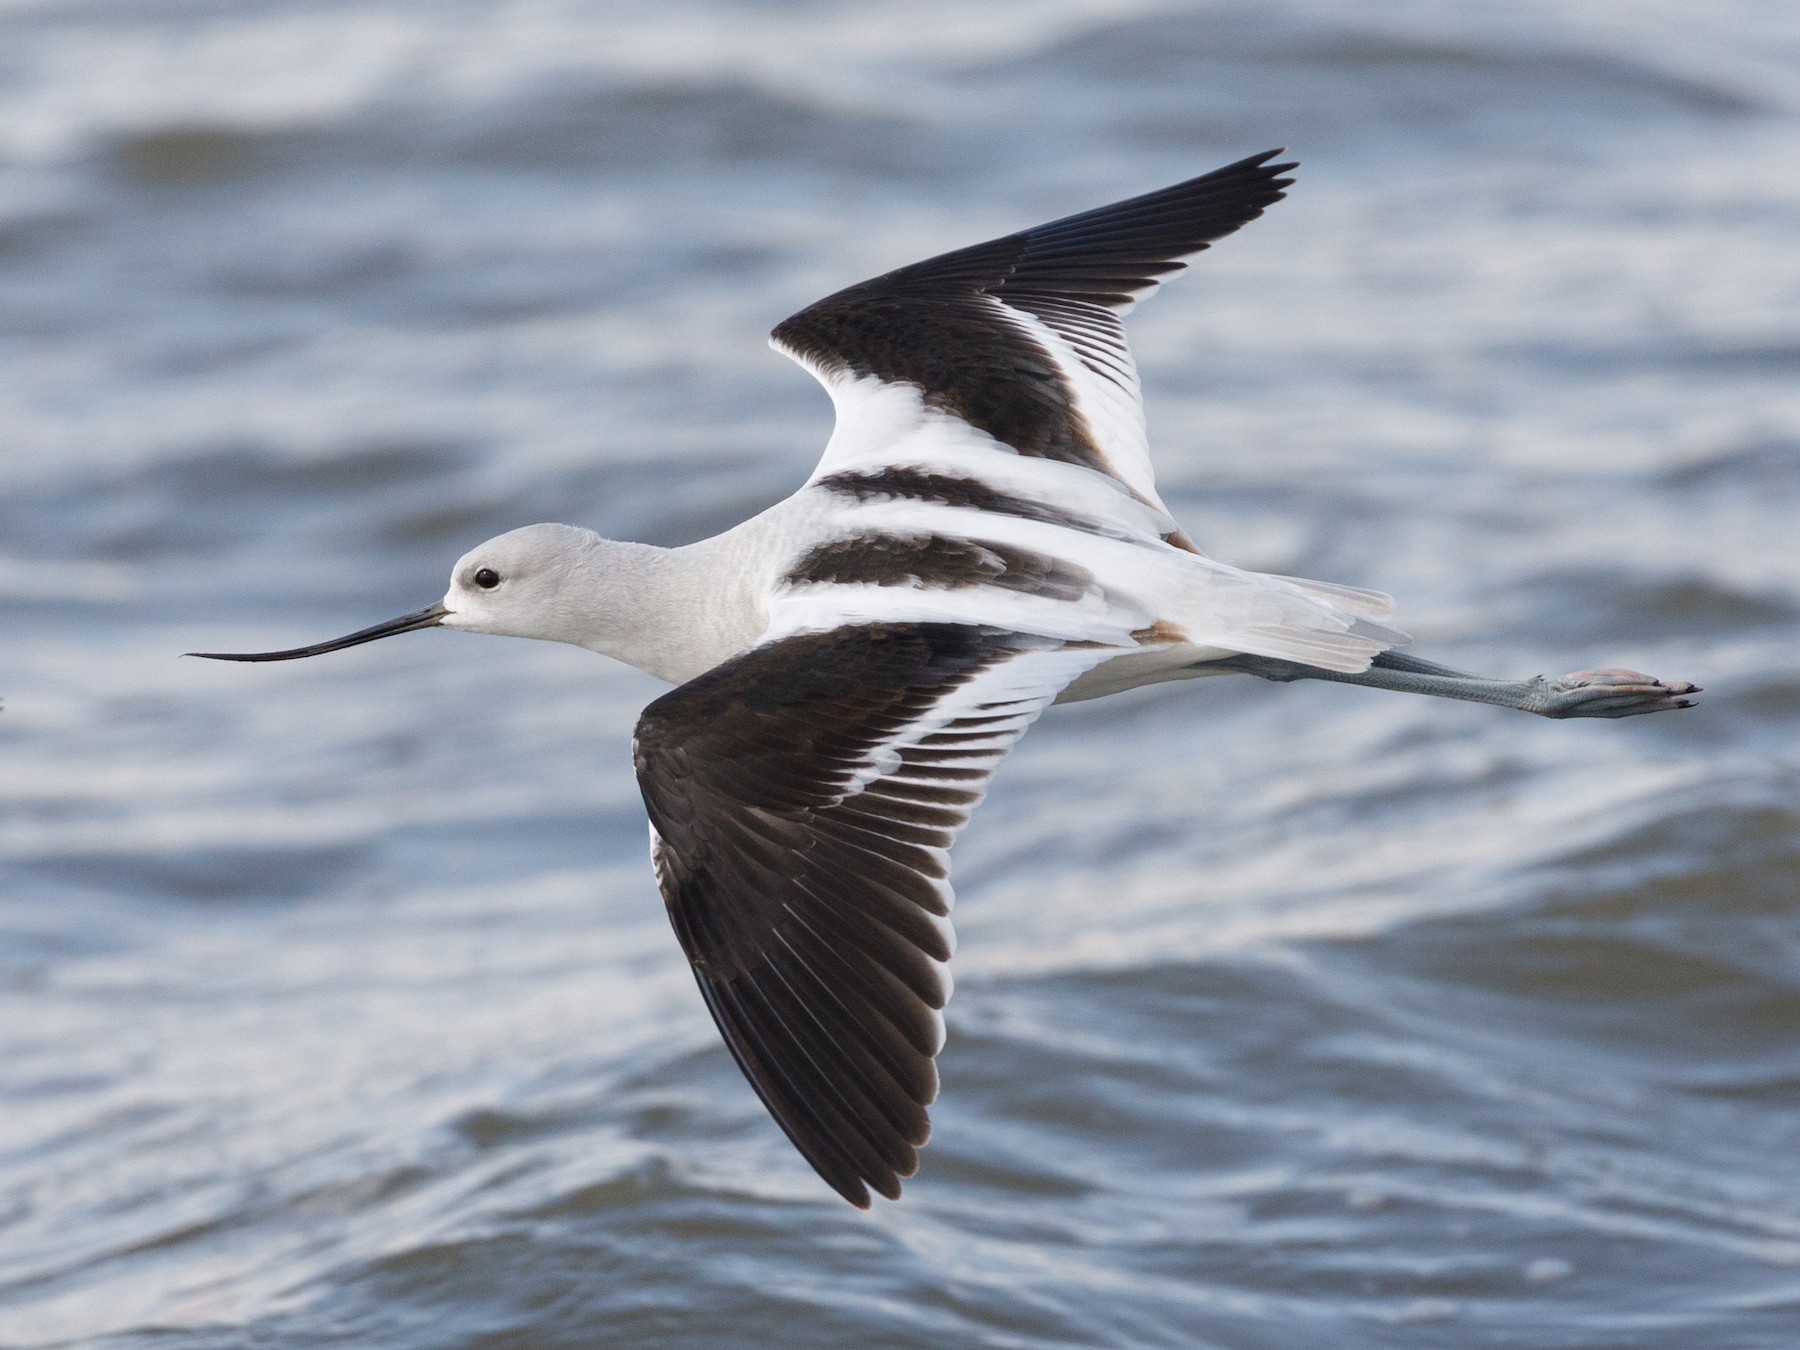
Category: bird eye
[487,578]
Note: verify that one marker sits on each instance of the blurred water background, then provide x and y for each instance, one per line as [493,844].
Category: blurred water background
[337,1006]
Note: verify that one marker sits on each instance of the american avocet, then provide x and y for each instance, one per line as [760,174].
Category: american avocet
[982,538]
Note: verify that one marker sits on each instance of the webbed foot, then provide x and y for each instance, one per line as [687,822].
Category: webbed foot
[1606,693]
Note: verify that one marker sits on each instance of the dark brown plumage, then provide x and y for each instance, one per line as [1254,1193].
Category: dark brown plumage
[920,485]
[933,324]
[939,561]
[805,902]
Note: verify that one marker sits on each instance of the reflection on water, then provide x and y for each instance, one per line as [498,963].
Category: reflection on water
[336,1003]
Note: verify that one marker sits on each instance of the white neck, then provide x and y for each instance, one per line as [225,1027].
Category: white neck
[673,612]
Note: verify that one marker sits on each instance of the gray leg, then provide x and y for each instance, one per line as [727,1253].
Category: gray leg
[1583,693]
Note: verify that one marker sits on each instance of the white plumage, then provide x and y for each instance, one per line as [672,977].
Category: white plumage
[982,536]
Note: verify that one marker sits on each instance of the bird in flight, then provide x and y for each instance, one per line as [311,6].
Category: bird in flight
[982,538]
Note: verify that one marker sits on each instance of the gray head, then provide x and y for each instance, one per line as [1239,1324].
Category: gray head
[514,585]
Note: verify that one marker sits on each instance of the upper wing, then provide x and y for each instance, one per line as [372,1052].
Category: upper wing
[1021,337]
[802,797]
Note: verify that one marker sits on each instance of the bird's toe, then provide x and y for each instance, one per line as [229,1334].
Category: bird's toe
[1614,692]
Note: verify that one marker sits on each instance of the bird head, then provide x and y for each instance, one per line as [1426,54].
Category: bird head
[514,585]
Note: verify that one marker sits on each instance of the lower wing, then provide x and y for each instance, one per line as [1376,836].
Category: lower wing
[802,799]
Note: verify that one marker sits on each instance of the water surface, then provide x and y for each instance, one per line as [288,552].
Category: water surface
[336,1002]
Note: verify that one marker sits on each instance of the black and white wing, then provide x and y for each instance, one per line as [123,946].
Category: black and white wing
[982,531]
[802,798]
[1020,338]
[989,462]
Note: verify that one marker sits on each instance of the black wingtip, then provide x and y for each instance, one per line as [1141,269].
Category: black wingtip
[1260,166]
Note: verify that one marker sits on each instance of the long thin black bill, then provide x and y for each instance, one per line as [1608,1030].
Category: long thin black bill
[406,623]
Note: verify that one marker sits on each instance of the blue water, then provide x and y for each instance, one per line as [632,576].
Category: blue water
[337,1006]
